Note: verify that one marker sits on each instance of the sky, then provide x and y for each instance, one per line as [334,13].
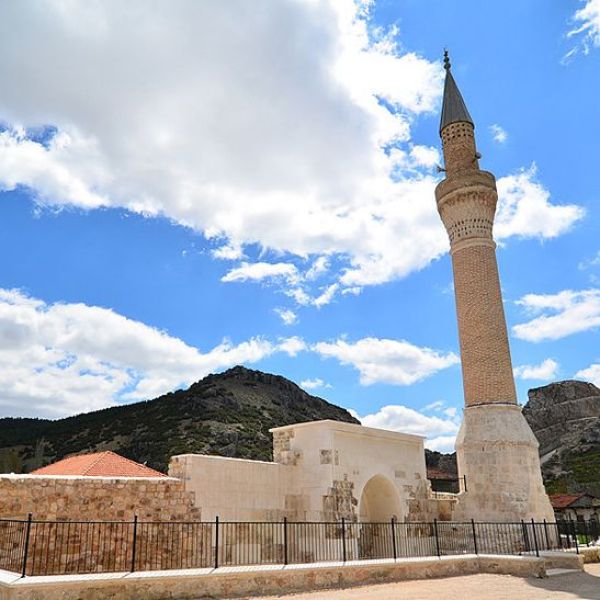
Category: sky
[187,186]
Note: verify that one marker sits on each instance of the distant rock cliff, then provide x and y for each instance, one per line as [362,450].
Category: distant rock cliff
[565,418]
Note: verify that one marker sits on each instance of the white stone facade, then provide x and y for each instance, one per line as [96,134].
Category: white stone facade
[323,471]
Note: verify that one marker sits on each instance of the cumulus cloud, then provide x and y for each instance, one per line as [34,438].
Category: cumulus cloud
[59,359]
[591,373]
[387,361]
[524,209]
[289,317]
[314,384]
[545,371]
[560,315]
[440,432]
[285,130]
[586,28]
[498,133]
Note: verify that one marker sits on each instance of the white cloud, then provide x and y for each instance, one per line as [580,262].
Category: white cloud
[524,209]
[289,317]
[589,263]
[440,433]
[545,371]
[286,130]
[59,359]
[437,405]
[562,314]
[261,271]
[587,27]
[313,384]
[387,361]
[498,133]
[292,346]
[591,374]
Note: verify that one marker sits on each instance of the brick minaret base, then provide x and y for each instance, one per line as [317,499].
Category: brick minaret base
[496,449]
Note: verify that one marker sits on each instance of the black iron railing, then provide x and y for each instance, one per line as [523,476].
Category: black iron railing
[37,547]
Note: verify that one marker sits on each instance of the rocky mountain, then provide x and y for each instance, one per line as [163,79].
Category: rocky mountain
[228,414]
[565,418]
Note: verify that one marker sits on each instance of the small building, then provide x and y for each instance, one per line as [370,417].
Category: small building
[322,471]
[443,481]
[576,507]
[102,486]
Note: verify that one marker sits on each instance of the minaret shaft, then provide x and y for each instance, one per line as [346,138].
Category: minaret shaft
[467,204]
[495,447]
[485,354]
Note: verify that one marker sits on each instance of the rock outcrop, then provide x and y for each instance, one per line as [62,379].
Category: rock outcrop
[565,418]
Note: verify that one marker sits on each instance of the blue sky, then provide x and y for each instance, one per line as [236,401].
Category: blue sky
[191,186]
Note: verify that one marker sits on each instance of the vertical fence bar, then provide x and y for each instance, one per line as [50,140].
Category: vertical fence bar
[134,548]
[575,538]
[465,481]
[216,542]
[546,535]
[535,540]
[437,539]
[344,539]
[587,533]
[525,538]
[26,549]
[474,536]
[394,549]
[285,541]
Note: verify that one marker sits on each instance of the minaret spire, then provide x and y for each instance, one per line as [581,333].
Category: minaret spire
[454,109]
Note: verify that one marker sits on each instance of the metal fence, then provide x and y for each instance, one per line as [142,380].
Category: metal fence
[36,547]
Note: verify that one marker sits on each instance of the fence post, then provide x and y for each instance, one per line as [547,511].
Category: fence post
[546,534]
[525,537]
[134,548]
[575,536]
[558,534]
[437,539]
[344,539]
[393,523]
[535,541]
[216,542]
[474,536]
[587,533]
[26,549]
[285,541]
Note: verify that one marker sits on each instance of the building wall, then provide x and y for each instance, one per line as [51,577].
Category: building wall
[236,489]
[96,498]
[323,471]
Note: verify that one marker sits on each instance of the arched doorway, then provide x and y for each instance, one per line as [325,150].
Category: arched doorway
[379,501]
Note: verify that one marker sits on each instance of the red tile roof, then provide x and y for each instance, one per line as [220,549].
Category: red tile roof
[437,474]
[564,500]
[98,464]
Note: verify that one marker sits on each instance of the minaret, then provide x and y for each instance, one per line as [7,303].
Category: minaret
[496,448]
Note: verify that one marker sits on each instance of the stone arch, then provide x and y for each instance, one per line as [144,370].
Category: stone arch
[379,501]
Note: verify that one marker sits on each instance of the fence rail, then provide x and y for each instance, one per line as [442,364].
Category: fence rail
[36,547]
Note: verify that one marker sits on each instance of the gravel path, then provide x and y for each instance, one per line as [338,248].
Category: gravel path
[583,586]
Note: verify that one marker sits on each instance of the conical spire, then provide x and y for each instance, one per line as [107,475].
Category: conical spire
[454,109]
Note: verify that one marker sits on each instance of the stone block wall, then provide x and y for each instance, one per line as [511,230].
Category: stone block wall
[96,498]
[85,524]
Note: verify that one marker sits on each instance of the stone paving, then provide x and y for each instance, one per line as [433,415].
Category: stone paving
[564,586]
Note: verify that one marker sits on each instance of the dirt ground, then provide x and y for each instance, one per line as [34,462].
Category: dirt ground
[584,586]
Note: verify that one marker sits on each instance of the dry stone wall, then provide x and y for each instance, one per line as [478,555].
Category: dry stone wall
[96,498]
[62,539]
